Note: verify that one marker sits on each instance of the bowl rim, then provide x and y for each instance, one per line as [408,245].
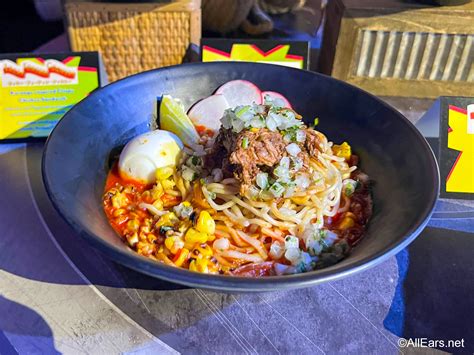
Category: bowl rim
[185,277]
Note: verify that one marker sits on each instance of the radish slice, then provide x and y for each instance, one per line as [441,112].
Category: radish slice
[207,113]
[240,92]
[276,95]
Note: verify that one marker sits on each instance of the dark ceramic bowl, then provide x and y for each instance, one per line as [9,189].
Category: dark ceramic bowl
[392,152]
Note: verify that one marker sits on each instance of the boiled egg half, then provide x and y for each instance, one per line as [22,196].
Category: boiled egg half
[147,152]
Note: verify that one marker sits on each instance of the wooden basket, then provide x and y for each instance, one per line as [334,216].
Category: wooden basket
[400,48]
[133,37]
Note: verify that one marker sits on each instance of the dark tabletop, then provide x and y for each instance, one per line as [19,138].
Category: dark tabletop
[59,294]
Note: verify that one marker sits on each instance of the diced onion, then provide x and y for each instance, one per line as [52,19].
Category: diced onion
[300,135]
[330,238]
[262,180]
[257,122]
[314,246]
[289,192]
[221,244]
[349,186]
[292,255]
[238,125]
[285,162]
[187,173]
[253,192]
[277,249]
[305,258]
[281,172]
[242,112]
[282,269]
[297,163]
[302,181]
[226,119]
[277,189]
[293,149]
[272,122]
[291,242]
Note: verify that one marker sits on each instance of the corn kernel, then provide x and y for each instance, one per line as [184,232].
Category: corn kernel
[201,265]
[211,237]
[169,242]
[174,244]
[194,236]
[254,129]
[225,268]
[158,204]
[350,214]
[204,250]
[145,229]
[132,239]
[146,195]
[205,223]
[343,150]
[300,200]
[145,248]
[167,184]
[119,200]
[192,266]
[181,257]
[119,212]
[151,238]
[162,257]
[164,172]
[346,223]
[133,225]
[167,219]
[121,219]
[156,191]
[189,245]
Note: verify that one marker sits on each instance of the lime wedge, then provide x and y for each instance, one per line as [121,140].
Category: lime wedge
[173,118]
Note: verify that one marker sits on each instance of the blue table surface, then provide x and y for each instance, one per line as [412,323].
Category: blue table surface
[425,291]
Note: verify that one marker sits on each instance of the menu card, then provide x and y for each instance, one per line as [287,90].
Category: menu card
[453,126]
[36,90]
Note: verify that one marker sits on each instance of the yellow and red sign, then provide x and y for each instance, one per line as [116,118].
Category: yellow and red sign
[292,54]
[36,91]
[460,178]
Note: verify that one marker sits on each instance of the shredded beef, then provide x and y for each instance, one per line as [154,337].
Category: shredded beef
[263,151]
[265,148]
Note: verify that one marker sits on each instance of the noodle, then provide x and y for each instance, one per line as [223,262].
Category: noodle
[233,254]
[255,243]
[173,192]
[234,235]
[152,209]
[180,185]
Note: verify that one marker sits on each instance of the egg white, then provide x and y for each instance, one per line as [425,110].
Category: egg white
[147,152]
